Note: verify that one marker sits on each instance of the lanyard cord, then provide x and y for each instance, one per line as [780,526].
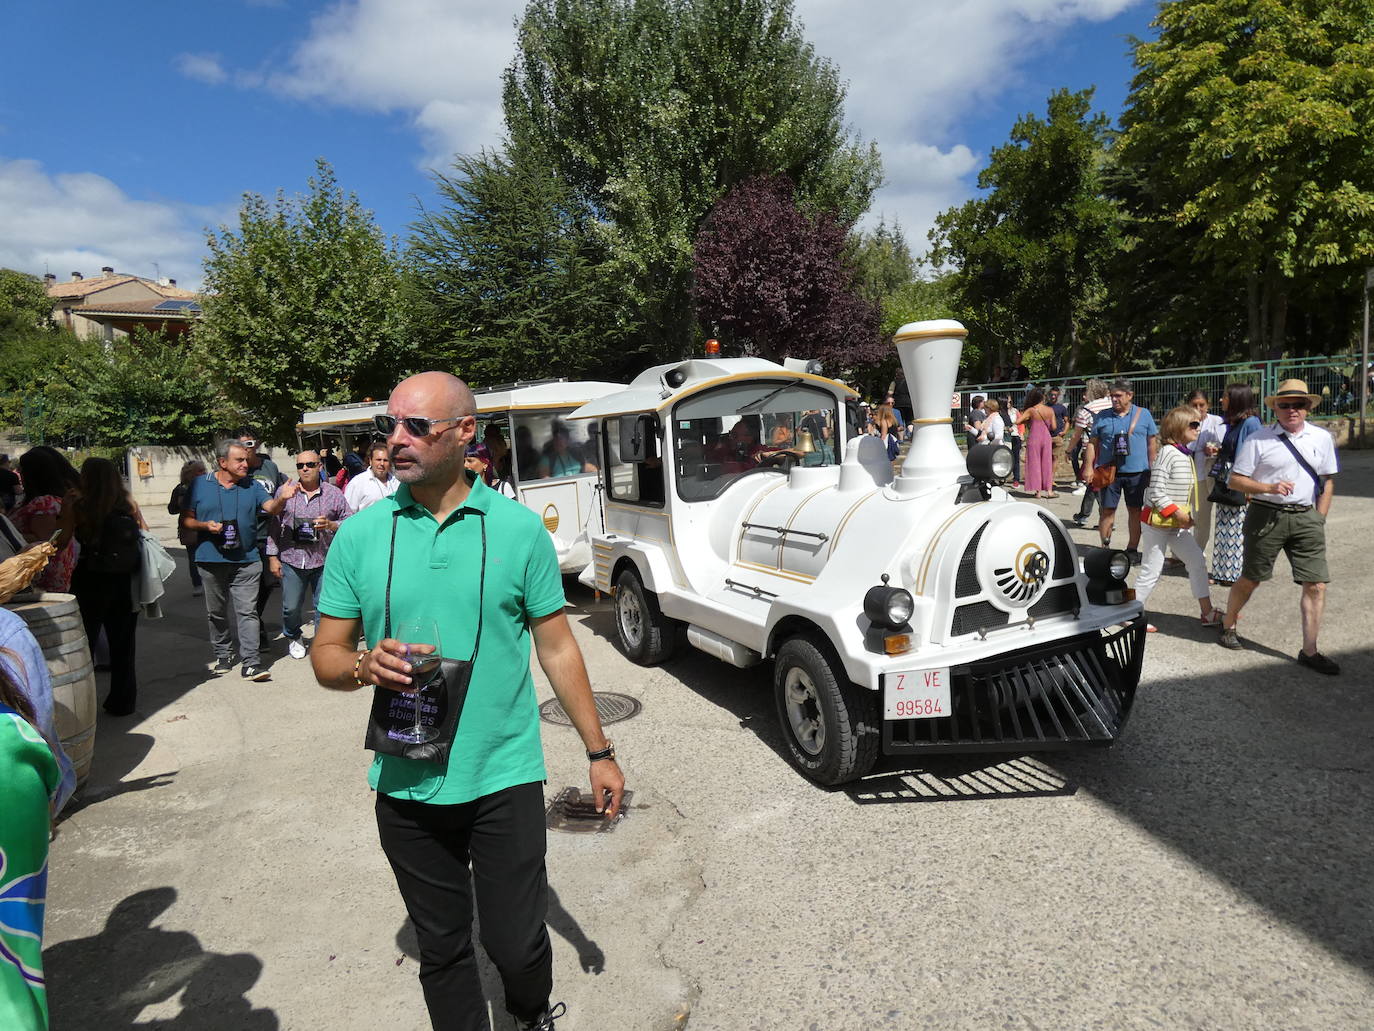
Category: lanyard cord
[481,578]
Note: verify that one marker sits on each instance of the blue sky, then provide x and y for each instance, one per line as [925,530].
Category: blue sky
[127,128]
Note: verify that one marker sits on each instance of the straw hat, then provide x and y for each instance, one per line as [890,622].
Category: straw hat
[1291,388]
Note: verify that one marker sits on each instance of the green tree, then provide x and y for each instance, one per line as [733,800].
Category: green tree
[305,306]
[508,276]
[1029,257]
[1249,130]
[651,110]
[24,304]
[881,261]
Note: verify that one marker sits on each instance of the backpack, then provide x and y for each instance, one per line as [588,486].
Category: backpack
[119,548]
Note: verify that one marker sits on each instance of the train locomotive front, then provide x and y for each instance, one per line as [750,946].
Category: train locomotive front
[930,612]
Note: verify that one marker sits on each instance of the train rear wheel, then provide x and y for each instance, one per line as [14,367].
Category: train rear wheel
[830,724]
[646,634]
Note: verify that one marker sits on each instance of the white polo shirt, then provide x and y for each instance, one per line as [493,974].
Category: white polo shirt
[365,489]
[1264,457]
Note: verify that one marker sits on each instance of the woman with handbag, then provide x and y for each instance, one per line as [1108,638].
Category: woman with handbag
[1166,521]
[106,521]
[1211,430]
[1228,537]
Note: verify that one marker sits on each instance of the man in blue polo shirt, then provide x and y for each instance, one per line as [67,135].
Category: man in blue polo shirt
[223,508]
[484,806]
[1125,435]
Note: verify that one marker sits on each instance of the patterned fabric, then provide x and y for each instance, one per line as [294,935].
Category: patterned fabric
[28,776]
[1228,542]
[327,501]
[57,574]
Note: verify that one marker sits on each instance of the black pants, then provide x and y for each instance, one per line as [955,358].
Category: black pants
[429,847]
[105,602]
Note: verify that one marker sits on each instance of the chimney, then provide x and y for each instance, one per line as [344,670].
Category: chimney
[107,270]
[76,277]
[171,282]
[930,358]
[49,279]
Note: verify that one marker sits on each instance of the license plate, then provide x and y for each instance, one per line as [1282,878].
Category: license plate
[916,694]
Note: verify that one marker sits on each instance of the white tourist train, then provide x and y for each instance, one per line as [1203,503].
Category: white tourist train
[926,612]
[551,462]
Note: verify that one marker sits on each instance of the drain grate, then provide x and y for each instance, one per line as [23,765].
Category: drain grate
[575,812]
[611,707]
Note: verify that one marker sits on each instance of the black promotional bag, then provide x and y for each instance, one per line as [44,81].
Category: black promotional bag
[444,693]
[1222,492]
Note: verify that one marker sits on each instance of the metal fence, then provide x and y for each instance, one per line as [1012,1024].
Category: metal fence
[1334,377]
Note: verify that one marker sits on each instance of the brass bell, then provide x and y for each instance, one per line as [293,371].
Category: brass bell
[805,444]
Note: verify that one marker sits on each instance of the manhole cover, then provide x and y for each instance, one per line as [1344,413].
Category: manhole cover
[576,812]
[612,708]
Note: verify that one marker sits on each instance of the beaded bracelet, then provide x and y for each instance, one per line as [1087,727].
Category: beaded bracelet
[357,666]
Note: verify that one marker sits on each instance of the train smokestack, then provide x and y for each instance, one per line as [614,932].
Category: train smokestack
[930,357]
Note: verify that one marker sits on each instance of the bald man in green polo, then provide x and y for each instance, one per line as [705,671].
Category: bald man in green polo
[485,805]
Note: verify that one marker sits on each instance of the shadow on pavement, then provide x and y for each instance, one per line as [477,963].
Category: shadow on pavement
[1262,780]
[107,980]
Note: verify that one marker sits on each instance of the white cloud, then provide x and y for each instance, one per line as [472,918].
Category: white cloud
[202,67]
[80,221]
[438,61]
[915,71]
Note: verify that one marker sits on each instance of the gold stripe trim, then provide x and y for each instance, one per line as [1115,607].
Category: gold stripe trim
[930,422]
[844,521]
[800,578]
[926,334]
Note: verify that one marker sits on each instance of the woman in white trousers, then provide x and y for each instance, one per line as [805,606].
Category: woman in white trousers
[1167,519]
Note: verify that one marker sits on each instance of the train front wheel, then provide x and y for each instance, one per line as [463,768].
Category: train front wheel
[646,634]
[830,724]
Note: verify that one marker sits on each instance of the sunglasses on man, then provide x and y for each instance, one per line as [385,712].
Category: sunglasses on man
[1289,406]
[307,465]
[416,426]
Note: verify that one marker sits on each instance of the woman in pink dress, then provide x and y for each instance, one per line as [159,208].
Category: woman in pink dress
[1039,420]
[47,476]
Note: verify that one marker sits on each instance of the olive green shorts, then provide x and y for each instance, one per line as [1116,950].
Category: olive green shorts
[1299,535]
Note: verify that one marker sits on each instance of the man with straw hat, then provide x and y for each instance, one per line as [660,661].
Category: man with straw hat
[1287,470]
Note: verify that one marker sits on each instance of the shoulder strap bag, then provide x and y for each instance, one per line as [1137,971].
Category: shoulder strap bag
[1222,493]
[1316,480]
[443,695]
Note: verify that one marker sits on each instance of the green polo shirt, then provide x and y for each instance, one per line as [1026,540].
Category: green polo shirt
[435,576]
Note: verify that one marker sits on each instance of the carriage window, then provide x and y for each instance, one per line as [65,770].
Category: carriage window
[547,445]
[723,434]
[633,481]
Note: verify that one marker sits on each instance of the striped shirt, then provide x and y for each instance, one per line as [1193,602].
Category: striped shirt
[1173,483]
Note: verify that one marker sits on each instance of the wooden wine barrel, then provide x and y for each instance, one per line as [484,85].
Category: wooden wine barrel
[55,621]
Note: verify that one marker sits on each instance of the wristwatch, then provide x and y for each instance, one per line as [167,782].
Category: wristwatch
[606,753]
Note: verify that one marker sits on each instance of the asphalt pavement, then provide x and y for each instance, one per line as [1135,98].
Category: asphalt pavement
[1212,870]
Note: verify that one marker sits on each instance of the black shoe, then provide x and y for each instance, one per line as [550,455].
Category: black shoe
[258,673]
[222,666]
[1318,662]
[1080,522]
[543,1022]
[119,710]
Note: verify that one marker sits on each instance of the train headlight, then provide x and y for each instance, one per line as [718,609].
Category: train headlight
[1106,571]
[1106,564]
[889,606]
[990,463]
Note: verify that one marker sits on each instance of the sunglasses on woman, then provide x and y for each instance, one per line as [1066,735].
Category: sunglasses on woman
[1194,425]
[416,426]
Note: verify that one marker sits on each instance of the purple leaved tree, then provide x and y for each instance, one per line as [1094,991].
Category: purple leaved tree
[771,279]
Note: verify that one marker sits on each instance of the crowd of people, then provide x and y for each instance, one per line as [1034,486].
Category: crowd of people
[1193,481]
